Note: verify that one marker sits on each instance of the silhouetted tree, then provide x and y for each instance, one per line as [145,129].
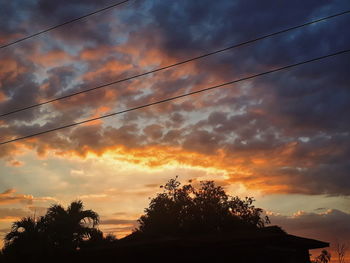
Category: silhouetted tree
[341,251]
[98,240]
[27,237]
[60,230]
[67,229]
[324,257]
[186,209]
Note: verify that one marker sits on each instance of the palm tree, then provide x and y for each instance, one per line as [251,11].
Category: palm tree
[26,237]
[67,229]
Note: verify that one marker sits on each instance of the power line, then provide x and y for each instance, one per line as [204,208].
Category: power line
[62,24]
[175,64]
[177,97]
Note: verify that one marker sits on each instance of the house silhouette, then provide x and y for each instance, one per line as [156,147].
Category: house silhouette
[266,245]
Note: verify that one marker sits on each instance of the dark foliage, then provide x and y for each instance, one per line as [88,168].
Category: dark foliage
[61,231]
[68,228]
[324,257]
[182,224]
[208,209]
[27,238]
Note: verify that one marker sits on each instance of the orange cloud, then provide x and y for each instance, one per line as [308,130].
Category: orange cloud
[112,67]
[98,112]
[9,196]
[50,58]
[11,68]
[97,53]
[267,170]
[15,163]
[244,169]
[4,39]
[3,97]
[276,169]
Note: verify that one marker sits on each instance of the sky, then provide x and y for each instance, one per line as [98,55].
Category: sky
[282,138]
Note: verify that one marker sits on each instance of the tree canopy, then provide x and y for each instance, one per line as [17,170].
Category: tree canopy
[208,208]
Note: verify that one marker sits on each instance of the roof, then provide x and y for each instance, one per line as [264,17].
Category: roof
[306,242]
[262,238]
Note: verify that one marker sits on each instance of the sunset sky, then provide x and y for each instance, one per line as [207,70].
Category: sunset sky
[283,138]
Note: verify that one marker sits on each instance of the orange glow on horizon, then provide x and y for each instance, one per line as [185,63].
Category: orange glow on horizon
[240,169]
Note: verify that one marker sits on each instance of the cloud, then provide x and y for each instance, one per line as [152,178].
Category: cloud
[329,226]
[283,133]
[10,196]
[118,222]
[15,163]
[11,213]
[119,226]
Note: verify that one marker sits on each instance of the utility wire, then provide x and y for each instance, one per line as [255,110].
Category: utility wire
[177,97]
[62,24]
[175,64]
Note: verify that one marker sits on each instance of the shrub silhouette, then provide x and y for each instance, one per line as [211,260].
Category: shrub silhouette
[98,240]
[188,210]
[324,257]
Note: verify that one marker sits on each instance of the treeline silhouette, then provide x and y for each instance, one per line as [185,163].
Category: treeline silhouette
[183,222]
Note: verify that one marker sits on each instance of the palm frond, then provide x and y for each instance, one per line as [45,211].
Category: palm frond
[75,207]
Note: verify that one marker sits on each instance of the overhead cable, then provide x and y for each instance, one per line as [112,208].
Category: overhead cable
[176,97]
[172,65]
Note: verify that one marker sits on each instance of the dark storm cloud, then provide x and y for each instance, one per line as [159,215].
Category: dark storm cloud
[329,172]
[66,9]
[17,84]
[314,97]
[310,100]
[153,131]
[25,18]
[189,25]
[13,19]
[314,165]
[202,141]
